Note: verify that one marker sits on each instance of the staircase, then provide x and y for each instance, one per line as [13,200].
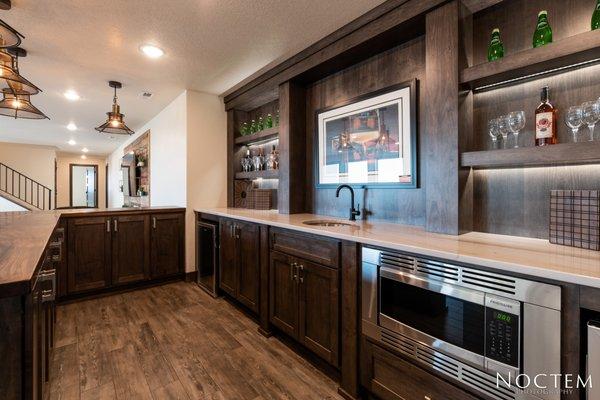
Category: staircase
[23,190]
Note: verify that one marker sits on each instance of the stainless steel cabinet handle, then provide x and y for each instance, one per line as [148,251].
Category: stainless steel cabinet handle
[115,225]
[108,225]
[292,269]
[44,276]
[238,232]
[301,273]
[154,222]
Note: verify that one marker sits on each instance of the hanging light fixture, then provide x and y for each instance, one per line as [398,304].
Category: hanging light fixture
[9,71]
[114,124]
[19,106]
[9,36]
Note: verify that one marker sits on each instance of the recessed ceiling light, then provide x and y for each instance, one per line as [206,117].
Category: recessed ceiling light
[71,95]
[72,126]
[85,150]
[72,142]
[152,51]
[83,156]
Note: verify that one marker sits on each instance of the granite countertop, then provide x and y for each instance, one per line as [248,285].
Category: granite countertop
[24,236]
[533,257]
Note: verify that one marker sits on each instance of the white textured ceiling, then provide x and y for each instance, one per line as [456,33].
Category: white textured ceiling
[210,46]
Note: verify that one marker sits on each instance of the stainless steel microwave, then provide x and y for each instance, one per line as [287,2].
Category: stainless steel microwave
[470,324]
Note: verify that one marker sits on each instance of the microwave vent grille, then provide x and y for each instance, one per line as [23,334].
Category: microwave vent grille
[489,281]
[472,377]
[397,260]
[439,270]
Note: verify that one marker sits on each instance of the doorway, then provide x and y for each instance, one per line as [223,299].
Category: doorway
[83,183]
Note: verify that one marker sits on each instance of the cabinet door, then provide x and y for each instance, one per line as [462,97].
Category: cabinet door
[130,247]
[89,254]
[228,276]
[167,245]
[283,289]
[248,242]
[318,315]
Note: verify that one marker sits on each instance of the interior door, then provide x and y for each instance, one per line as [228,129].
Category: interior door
[130,247]
[249,264]
[89,256]
[318,315]
[167,244]
[283,289]
[228,275]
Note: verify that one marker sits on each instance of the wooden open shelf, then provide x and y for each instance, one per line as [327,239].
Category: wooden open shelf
[581,48]
[262,136]
[266,174]
[566,153]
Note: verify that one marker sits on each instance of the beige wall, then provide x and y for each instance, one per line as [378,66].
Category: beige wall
[63,160]
[206,161]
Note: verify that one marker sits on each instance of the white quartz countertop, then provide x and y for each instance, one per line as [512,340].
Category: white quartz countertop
[534,257]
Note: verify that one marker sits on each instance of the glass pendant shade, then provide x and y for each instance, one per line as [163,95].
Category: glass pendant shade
[19,106]
[114,123]
[9,72]
[9,37]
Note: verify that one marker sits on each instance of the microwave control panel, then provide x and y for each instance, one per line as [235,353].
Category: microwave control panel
[502,337]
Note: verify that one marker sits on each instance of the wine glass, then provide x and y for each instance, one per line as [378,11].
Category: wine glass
[516,122]
[591,115]
[245,164]
[504,130]
[574,119]
[493,131]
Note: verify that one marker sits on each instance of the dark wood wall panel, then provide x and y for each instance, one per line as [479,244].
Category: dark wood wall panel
[516,201]
[397,65]
[517,20]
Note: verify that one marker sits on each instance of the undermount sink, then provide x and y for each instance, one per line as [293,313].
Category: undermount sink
[327,222]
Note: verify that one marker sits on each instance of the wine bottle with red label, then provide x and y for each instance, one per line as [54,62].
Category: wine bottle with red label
[545,121]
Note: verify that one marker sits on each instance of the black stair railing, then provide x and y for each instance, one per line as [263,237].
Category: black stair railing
[25,189]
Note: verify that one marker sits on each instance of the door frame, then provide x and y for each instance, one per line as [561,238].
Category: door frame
[71,184]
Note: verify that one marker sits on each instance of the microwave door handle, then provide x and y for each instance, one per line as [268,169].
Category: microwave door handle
[448,289]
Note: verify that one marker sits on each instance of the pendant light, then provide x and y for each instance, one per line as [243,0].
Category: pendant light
[19,106]
[9,37]
[9,71]
[114,124]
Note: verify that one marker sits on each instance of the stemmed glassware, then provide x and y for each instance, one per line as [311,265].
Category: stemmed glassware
[516,122]
[504,130]
[493,131]
[591,115]
[574,120]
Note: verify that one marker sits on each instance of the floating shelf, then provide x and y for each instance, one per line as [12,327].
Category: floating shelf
[262,136]
[566,53]
[267,174]
[565,153]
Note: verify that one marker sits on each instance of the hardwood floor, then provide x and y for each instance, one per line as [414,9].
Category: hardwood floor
[174,342]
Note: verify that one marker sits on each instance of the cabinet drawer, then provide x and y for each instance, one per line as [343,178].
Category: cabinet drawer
[389,377]
[321,250]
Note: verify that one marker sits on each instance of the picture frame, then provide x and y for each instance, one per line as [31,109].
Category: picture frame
[369,141]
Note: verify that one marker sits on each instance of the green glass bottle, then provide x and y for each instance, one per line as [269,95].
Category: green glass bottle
[261,125]
[496,48]
[253,127]
[543,32]
[269,120]
[596,17]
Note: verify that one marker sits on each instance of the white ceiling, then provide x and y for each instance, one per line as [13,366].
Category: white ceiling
[210,46]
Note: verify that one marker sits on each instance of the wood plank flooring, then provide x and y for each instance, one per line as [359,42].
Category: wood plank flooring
[174,342]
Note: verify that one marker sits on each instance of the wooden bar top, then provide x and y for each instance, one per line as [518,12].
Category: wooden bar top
[24,236]
[526,256]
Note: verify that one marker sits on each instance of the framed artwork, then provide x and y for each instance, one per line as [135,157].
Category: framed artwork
[370,141]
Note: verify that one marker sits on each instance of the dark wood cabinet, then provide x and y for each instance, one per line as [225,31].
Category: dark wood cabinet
[318,304]
[167,245]
[239,274]
[89,255]
[130,247]
[283,291]
[304,303]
